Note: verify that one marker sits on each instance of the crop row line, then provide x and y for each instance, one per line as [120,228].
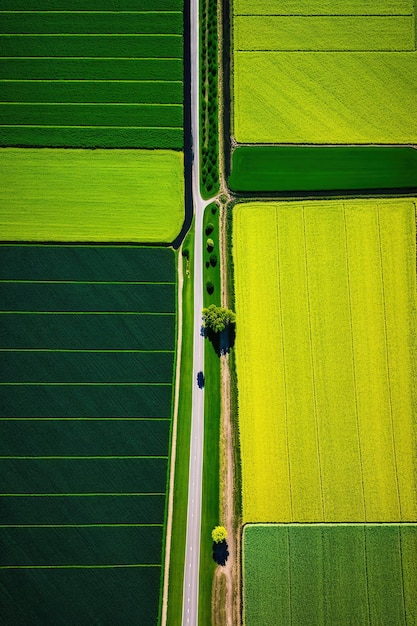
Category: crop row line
[323,15]
[95,104]
[284,369]
[387,358]
[128,350]
[84,384]
[81,458]
[87,282]
[352,345]
[84,313]
[91,35]
[160,127]
[85,58]
[313,371]
[106,12]
[79,566]
[84,419]
[78,495]
[85,81]
[275,51]
[80,525]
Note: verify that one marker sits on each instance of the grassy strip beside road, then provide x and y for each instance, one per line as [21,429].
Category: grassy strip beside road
[211,498]
[332,168]
[209,122]
[179,526]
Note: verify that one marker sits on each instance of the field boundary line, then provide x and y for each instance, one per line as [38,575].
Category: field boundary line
[81,458]
[84,419]
[94,350]
[284,371]
[338,50]
[92,35]
[90,126]
[386,15]
[85,313]
[83,384]
[94,104]
[387,360]
[84,282]
[151,525]
[352,340]
[78,495]
[310,334]
[9,58]
[79,566]
[87,12]
[89,80]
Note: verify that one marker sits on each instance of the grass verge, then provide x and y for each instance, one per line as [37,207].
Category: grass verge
[179,526]
[211,499]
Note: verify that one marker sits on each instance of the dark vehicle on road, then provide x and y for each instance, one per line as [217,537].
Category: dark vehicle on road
[200,380]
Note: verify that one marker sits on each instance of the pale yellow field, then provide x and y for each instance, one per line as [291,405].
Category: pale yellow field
[326,360]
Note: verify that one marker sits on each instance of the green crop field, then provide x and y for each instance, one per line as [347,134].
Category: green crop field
[326,359]
[83,195]
[308,72]
[84,78]
[321,169]
[87,351]
[330,574]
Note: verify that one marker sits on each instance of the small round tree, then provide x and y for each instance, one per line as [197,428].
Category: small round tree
[210,245]
[219,534]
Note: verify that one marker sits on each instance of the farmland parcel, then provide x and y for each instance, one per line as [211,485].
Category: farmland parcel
[330,574]
[91,195]
[327,72]
[326,360]
[87,355]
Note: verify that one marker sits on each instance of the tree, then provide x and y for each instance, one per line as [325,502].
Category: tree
[210,245]
[219,534]
[216,318]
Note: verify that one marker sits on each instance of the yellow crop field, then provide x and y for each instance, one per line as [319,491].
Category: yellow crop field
[326,360]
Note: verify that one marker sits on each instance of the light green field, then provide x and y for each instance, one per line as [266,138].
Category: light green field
[324,72]
[326,360]
[91,195]
[323,7]
[330,574]
[332,97]
[324,33]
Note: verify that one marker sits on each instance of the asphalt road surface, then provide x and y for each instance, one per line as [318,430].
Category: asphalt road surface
[192,555]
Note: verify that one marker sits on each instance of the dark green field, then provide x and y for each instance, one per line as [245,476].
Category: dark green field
[257,169]
[87,352]
[83,77]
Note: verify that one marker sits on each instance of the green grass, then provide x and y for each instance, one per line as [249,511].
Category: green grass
[211,465]
[76,195]
[341,574]
[177,548]
[303,169]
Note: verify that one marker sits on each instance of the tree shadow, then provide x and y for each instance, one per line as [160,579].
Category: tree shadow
[223,341]
[220,552]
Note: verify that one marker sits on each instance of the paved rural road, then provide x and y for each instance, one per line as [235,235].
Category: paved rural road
[192,550]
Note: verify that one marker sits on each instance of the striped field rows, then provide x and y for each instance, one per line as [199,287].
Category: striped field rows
[326,360]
